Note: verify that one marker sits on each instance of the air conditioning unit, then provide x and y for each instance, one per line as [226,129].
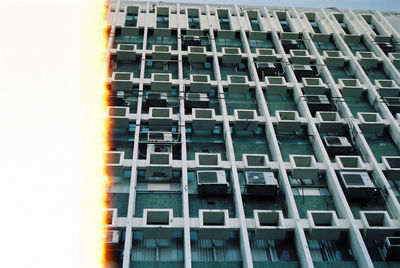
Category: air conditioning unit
[212,182]
[196,100]
[386,47]
[391,248]
[155,99]
[357,185]
[303,71]
[266,69]
[160,137]
[393,104]
[337,145]
[111,237]
[261,183]
[289,44]
[317,103]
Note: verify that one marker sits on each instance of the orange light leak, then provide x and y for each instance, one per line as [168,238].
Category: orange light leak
[52,133]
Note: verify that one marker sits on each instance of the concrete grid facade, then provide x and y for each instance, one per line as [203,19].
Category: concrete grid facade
[252,136]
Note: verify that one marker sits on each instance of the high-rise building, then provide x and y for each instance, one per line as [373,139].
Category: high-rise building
[253,136]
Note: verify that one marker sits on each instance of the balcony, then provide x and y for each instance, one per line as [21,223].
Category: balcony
[334,58]
[275,85]
[329,121]
[313,86]
[288,121]
[349,163]
[323,225]
[255,162]
[114,163]
[200,83]
[203,119]
[161,52]
[270,225]
[214,224]
[208,160]
[350,87]
[161,82]
[238,84]
[303,166]
[367,59]
[387,88]
[300,56]
[157,223]
[196,54]
[371,123]
[266,55]
[160,116]
[377,224]
[395,59]
[118,116]
[245,120]
[231,55]
[392,165]
[122,81]
[126,52]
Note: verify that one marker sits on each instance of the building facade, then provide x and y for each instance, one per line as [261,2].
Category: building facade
[252,136]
